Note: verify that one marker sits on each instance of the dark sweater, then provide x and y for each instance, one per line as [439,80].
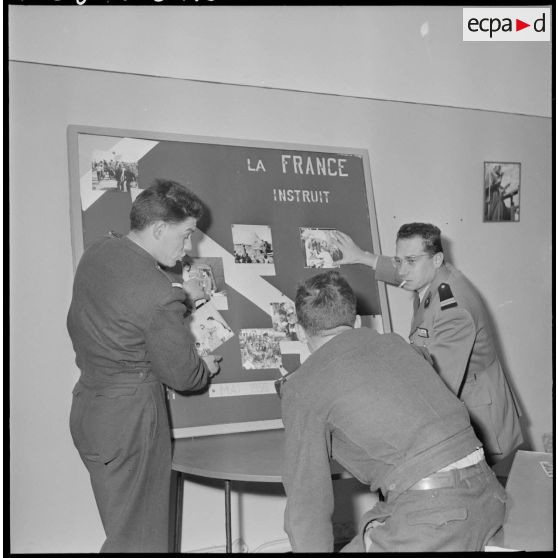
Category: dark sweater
[380,410]
[127,319]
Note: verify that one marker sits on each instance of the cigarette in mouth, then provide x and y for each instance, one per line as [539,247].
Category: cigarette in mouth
[402,283]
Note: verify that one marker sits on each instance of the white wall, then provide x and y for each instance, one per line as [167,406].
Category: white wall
[405,53]
[426,164]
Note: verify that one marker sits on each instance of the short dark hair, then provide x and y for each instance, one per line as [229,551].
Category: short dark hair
[164,200]
[325,301]
[430,234]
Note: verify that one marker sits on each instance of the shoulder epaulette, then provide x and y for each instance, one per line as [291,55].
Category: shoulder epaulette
[447,299]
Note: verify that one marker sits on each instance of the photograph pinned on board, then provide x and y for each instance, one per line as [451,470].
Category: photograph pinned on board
[502,182]
[283,318]
[204,279]
[209,328]
[252,244]
[259,348]
[109,171]
[320,250]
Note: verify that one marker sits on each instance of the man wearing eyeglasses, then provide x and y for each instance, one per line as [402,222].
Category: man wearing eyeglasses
[370,402]
[450,325]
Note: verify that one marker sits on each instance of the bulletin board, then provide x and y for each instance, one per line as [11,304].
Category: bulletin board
[270,209]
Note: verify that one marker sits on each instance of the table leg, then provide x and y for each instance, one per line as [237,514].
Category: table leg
[177,499]
[228,516]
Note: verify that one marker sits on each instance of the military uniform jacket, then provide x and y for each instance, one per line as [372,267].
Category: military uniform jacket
[451,325]
[371,403]
[127,320]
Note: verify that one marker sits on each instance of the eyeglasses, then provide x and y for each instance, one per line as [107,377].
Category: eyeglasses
[411,261]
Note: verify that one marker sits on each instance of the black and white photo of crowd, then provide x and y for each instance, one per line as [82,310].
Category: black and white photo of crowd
[259,348]
[109,172]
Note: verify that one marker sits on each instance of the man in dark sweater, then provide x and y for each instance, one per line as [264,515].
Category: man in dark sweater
[373,404]
[127,325]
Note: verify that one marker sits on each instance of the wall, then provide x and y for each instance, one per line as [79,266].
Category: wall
[403,53]
[426,164]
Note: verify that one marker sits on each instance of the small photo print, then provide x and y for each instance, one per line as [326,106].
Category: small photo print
[259,348]
[502,183]
[283,319]
[209,329]
[109,171]
[252,244]
[319,249]
[204,280]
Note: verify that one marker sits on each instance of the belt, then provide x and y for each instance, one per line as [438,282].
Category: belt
[448,479]
[106,378]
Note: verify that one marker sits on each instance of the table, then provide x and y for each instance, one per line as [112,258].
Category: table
[529,521]
[247,456]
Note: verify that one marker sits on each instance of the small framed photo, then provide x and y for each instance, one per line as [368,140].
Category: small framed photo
[319,248]
[208,274]
[502,182]
[283,318]
[113,170]
[253,247]
[209,328]
[259,348]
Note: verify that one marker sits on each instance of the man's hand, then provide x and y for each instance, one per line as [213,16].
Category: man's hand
[352,253]
[212,362]
[194,289]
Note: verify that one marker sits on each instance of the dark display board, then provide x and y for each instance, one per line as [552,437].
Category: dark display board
[271,207]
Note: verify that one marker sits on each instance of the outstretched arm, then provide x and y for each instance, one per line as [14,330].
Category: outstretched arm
[352,253]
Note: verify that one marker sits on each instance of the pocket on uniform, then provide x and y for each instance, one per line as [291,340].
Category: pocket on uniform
[476,393]
[437,516]
[105,422]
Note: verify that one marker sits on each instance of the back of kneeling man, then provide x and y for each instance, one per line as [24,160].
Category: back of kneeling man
[370,402]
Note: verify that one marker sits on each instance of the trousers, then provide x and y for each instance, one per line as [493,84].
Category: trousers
[453,519]
[123,437]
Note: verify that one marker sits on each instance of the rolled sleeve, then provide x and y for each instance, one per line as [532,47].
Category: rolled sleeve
[386,272]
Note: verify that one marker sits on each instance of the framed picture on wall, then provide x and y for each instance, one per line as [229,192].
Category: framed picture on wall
[502,182]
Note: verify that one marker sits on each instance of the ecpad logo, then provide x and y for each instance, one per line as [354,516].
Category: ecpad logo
[506,24]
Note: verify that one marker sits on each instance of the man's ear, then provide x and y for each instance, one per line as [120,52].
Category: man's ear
[358,322]
[157,229]
[438,259]
[300,333]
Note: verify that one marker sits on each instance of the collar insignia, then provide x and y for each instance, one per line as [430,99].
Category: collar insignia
[427,300]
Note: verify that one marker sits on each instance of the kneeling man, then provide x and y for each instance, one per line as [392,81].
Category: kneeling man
[370,402]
